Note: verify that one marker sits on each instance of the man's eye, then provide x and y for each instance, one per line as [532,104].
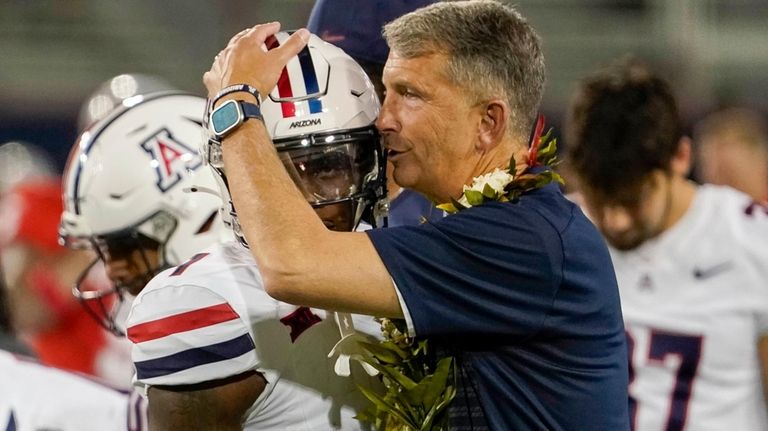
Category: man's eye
[409,93]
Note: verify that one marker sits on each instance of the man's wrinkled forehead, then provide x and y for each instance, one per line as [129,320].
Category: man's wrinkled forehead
[418,69]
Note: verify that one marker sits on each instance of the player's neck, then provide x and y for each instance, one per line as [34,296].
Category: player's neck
[682,193]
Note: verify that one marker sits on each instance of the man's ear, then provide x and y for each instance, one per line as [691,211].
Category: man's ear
[494,120]
[681,160]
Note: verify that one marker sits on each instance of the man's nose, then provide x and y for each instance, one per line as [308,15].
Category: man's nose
[386,122]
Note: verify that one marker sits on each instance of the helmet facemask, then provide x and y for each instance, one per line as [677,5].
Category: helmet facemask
[337,172]
[142,256]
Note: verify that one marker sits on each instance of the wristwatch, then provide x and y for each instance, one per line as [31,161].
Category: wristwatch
[230,115]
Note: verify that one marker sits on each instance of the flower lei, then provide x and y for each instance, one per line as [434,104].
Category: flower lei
[418,387]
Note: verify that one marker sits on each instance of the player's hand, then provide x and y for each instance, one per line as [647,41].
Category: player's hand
[246,59]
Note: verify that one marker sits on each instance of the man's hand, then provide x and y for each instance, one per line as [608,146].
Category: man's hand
[246,59]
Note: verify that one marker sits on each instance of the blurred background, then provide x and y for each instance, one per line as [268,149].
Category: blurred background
[55,53]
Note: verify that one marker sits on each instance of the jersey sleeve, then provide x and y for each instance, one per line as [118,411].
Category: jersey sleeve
[754,236]
[186,334]
[487,270]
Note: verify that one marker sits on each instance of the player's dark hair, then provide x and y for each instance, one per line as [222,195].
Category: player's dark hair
[623,125]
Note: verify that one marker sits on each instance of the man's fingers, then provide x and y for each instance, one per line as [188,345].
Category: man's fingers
[292,46]
[238,36]
[261,32]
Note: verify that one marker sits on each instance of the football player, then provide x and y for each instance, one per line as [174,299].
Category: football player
[124,197]
[691,261]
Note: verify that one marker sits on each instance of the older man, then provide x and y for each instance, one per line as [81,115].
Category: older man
[522,293]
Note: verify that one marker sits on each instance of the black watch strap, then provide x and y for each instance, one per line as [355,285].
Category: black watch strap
[250,110]
[237,88]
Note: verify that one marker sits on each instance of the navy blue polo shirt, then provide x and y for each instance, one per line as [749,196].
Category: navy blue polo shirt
[410,207]
[525,295]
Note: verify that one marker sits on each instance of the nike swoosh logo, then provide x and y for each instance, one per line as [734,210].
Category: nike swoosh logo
[709,272]
[120,196]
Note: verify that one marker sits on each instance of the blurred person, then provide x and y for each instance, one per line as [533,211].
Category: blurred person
[356,27]
[40,274]
[22,161]
[691,261]
[8,340]
[36,397]
[732,149]
[520,292]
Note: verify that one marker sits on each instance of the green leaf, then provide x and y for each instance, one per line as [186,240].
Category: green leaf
[489,192]
[474,197]
[395,348]
[434,414]
[557,177]
[393,373]
[548,152]
[421,347]
[381,352]
[513,165]
[377,401]
[525,182]
[381,404]
[458,205]
[438,382]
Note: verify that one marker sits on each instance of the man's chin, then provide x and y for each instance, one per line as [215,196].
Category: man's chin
[625,243]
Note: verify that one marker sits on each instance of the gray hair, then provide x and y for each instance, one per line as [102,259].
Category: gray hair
[492,51]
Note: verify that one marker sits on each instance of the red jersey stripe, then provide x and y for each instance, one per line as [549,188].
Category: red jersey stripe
[181,322]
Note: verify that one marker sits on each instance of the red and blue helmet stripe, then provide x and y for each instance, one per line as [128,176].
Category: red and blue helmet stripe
[289,86]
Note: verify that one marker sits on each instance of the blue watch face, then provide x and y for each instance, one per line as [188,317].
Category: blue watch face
[225,117]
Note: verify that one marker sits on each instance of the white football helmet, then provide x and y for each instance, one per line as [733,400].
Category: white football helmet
[321,117]
[126,187]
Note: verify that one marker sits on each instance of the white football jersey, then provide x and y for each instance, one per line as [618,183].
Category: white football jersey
[37,397]
[210,318]
[695,303]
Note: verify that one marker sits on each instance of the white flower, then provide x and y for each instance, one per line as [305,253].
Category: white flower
[497,180]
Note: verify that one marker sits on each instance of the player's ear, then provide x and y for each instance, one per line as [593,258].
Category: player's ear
[681,160]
